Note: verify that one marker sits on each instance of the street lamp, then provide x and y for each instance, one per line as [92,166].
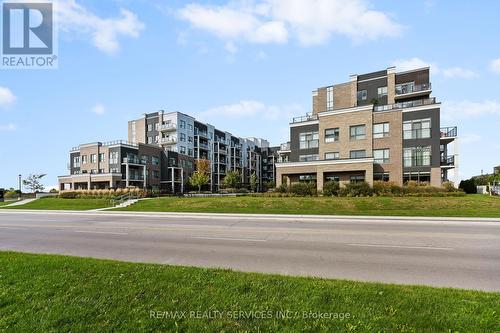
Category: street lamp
[19,187]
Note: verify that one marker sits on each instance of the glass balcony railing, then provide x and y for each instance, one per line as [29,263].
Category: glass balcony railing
[168,127]
[447,160]
[448,132]
[403,105]
[409,88]
[133,160]
[307,117]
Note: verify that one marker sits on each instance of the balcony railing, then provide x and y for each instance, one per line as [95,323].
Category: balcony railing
[133,160]
[201,145]
[447,160]
[285,146]
[402,89]
[403,105]
[307,117]
[201,133]
[134,177]
[169,140]
[168,127]
[448,132]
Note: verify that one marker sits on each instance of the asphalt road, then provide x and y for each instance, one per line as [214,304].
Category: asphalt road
[463,253]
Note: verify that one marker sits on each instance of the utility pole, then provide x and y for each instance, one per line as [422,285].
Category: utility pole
[20,187]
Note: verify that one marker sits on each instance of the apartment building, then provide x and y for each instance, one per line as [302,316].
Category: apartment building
[377,126]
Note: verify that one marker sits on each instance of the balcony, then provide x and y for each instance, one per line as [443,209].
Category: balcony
[168,127]
[169,140]
[201,133]
[448,161]
[307,117]
[136,177]
[404,105]
[448,134]
[201,145]
[133,160]
[221,151]
[285,147]
[410,89]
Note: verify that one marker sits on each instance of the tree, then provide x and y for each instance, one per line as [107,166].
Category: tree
[253,181]
[232,179]
[33,183]
[201,176]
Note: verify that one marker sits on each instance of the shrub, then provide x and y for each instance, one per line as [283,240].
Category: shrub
[283,188]
[468,186]
[11,194]
[387,188]
[303,189]
[69,195]
[331,188]
[361,189]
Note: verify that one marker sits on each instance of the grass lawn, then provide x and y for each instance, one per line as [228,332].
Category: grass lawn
[6,203]
[470,205]
[58,294]
[64,204]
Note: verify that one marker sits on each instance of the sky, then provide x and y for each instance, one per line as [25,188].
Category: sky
[246,67]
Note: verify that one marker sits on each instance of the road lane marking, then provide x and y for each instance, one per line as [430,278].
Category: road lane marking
[15,228]
[101,232]
[404,246]
[232,239]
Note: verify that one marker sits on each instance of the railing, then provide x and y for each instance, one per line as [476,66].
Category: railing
[201,145]
[421,133]
[307,117]
[448,132]
[168,127]
[168,140]
[285,146]
[140,177]
[109,143]
[447,160]
[403,105]
[201,133]
[221,151]
[122,198]
[402,89]
[133,160]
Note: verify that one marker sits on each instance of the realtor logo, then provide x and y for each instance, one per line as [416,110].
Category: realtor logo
[28,35]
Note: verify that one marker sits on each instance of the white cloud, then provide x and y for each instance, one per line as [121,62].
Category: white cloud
[7,98]
[105,32]
[98,109]
[403,65]
[252,109]
[495,65]
[276,21]
[466,109]
[458,72]
[7,127]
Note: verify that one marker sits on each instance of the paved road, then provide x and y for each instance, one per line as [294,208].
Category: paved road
[462,253]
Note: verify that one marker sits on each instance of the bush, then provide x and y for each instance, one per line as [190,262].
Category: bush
[303,189]
[361,189]
[387,188]
[69,195]
[283,188]
[331,188]
[468,186]
[11,194]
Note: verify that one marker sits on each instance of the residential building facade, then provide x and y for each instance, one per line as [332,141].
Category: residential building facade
[378,126]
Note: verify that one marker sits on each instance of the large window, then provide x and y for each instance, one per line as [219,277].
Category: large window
[362,95]
[417,129]
[101,157]
[417,156]
[307,178]
[93,158]
[76,161]
[329,98]
[113,157]
[332,156]
[357,132]
[182,150]
[183,137]
[182,124]
[382,176]
[380,130]
[357,154]
[155,160]
[382,91]
[308,140]
[332,134]
[381,156]
[357,179]
[310,157]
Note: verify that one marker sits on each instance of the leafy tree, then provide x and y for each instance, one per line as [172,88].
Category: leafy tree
[232,179]
[253,181]
[201,176]
[33,182]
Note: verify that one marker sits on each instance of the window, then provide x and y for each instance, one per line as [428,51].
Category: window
[150,127]
[404,88]
[114,170]
[101,170]
[382,176]
[144,159]
[362,95]
[157,138]
[329,98]
[94,171]
[190,127]
[381,156]
[357,154]
[84,159]
[417,129]
[331,178]
[417,156]
[93,158]
[182,150]
[332,134]
[307,178]
[113,157]
[76,161]
[150,139]
[157,126]
[156,174]
[332,156]
[418,176]
[155,160]
[357,179]
[182,124]
[381,91]
[308,140]
[306,158]
[190,152]
[101,157]
[358,132]
[190,139]
[183,137]
[380,130]
[76,172]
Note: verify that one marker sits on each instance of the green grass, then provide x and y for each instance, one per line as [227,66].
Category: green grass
[47,293]
[6,203]
[470,205]
[64,204]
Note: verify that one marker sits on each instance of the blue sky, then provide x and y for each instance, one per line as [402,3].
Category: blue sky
[244,66]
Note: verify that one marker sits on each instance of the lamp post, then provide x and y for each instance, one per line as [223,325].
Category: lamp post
[19,198]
